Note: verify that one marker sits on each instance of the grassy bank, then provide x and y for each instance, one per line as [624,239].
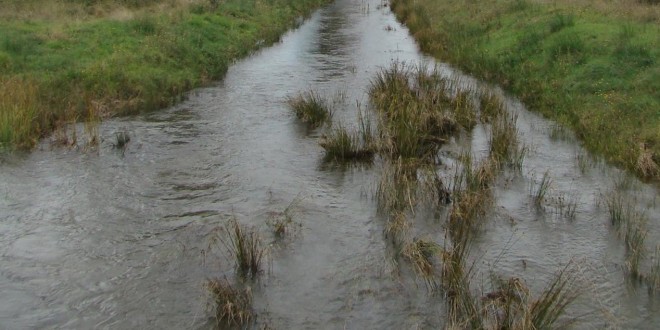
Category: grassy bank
[591,65]
[68,60]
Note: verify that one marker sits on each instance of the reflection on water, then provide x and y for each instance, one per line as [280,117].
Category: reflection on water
[116,239]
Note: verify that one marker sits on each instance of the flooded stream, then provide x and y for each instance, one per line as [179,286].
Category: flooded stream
[115,238]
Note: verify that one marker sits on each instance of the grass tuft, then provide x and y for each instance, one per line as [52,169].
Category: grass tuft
[491,106]
[546,310]
[310,108]
[540,192]
[421,254]
[233,306]
[245,247]
[504,147]
[340,145]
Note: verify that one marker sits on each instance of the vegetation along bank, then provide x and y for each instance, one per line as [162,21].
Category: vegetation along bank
[70,60]
[591,65]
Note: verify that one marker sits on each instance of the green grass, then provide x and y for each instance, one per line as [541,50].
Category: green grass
[61,60]
[595,68]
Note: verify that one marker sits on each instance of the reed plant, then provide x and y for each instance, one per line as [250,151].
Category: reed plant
[397,228]
[415,111]
[463,109]
[232,305]
[504,148]
[491,106]
[341,145]
[634,239]
[561,291]
[311,108]
[423,255]
[245,247]
[540,191]
[397,187]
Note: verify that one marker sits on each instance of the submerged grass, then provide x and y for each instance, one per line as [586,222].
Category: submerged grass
[69,59]
[590,65]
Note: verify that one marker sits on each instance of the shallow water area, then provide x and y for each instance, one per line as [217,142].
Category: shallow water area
[117,237]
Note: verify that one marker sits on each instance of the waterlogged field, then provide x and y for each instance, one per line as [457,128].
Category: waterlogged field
[339,179]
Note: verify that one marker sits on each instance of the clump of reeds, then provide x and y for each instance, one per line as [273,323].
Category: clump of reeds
[233,306]
[634,238]
[540,191]
[416,114]
[342,145]
[504,140]
[311,108]
[464,310]
[562,290]
[245,247]
[389,86]
[510,304]
[491,106]
[396,190]
[467,177]
[421,254]
[397,227]
[412,132]
[617,210]
[503,306]
[471,196]
[629,224]
[463,109]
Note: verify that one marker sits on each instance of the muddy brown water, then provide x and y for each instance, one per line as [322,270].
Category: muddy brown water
[116,238]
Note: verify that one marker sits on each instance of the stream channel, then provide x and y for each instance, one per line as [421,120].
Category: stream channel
[117,239]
